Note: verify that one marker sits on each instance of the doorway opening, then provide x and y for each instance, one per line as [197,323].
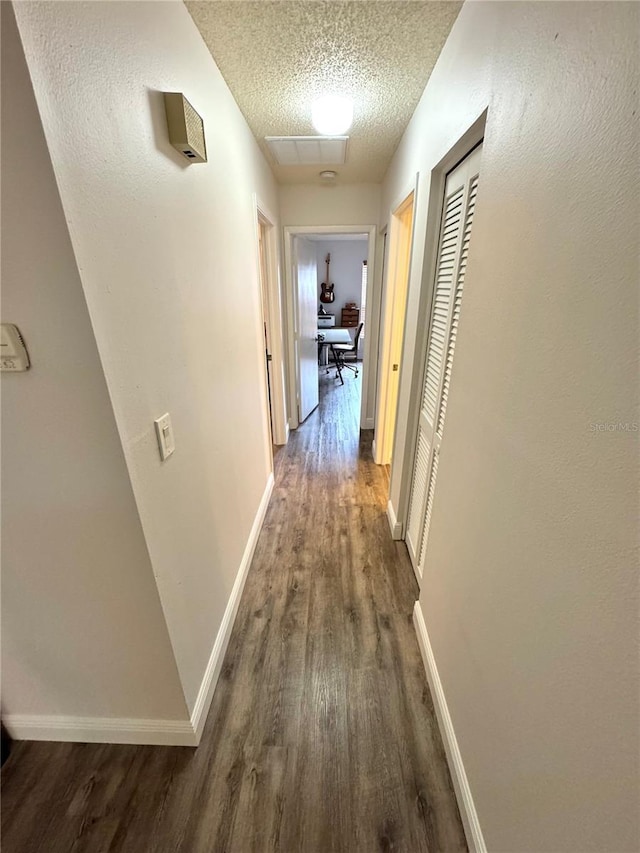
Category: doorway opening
[392,321]
[328,274]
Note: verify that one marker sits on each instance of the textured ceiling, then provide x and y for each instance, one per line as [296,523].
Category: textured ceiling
[278,55]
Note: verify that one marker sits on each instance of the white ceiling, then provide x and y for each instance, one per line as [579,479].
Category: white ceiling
[278,55]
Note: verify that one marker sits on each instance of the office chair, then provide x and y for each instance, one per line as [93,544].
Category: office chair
[340,350]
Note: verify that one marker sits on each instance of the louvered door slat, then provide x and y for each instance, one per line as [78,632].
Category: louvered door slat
[416,504]
[455,318]
[444,286]
[433,473]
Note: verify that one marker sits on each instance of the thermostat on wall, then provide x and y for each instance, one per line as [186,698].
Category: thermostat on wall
[13,352]
[186,129]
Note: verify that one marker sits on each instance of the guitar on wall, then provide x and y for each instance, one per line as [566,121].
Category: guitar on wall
[327,294]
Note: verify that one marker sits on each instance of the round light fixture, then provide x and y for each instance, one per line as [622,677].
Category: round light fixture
[328,175]
[332,115]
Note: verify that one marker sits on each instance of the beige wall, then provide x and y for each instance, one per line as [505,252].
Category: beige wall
[311,204]
[530,586]
[83,632]
[168,261]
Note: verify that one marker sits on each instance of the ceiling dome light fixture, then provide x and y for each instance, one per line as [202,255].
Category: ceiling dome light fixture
[328,175]
[332,115]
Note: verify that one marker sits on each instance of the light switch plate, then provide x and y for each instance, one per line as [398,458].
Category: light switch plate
[13,353]
[164,433]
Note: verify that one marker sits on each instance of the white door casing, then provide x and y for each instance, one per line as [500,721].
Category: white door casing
[273,316]
[291,233]
[306,332]
[455,232]
[266,325]
[392,327]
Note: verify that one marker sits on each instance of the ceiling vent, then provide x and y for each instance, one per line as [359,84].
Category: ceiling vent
[308,150]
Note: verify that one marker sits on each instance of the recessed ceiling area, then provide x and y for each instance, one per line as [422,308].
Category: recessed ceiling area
[278,56]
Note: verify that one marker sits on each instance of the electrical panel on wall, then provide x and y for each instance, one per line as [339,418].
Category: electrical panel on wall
[13,352]
[186,128]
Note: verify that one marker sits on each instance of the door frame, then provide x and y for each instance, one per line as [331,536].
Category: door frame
[291,301]
[415,347]
[273,319]
[395,278]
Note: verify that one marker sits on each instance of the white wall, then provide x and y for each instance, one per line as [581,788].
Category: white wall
[530,587]
[83,633]
[168,261]
[345,271]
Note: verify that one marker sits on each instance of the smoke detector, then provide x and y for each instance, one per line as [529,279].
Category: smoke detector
[328,175]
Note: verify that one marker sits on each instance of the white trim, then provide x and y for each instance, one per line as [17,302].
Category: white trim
[275,310]
[291,231]
[368,423]
[371,333]
[156,732]
[397,279]
[466,805]
[394,524]
[100,730]
[212,672]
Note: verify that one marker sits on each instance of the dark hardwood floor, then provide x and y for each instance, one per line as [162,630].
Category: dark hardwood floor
[321,736]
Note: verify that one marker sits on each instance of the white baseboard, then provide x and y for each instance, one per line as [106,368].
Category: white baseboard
[158,732]
[212,672]
[394,524]
[100,730]
[368,423]
[466,805]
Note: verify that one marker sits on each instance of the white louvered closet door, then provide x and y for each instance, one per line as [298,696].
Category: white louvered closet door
[458,210]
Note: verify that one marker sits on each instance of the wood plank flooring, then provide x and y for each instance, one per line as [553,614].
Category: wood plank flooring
[321,737]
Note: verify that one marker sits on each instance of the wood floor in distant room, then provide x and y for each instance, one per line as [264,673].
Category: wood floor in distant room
[321,736]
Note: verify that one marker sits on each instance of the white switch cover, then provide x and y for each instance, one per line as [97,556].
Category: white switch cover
[13,353]
[164,432]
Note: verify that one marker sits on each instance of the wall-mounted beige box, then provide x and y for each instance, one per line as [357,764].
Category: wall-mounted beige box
[186,129]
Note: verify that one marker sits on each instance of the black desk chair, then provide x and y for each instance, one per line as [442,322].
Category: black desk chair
[341,350]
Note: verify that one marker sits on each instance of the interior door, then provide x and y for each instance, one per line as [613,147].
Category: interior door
[307,326]
[455,232]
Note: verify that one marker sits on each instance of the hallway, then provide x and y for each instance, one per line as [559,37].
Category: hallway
[321,736]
